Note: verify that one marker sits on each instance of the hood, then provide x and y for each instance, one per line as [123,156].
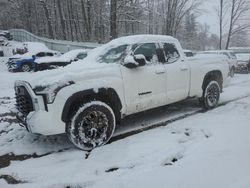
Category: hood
[27,55]
[76,72]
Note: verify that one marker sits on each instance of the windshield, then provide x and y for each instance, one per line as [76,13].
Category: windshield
[114,55]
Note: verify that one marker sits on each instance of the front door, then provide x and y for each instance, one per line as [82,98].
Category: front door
[145,86]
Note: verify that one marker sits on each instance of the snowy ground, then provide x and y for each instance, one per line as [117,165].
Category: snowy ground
[204,150]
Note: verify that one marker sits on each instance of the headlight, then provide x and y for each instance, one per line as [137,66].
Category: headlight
[50,91]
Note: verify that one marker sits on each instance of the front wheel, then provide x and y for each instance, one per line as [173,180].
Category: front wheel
[91,126]
[25,68]
[211,95]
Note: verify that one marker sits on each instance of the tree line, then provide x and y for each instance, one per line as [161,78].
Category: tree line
[103,20]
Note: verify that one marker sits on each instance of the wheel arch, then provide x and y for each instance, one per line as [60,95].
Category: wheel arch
[213,75]
[106,95]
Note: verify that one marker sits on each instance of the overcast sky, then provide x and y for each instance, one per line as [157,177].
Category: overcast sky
[209,15]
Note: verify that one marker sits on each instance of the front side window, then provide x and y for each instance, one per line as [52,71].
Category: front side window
[115,55]
[148,50]
[171,52]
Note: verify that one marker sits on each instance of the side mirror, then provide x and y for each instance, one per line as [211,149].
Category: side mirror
[33,57]
[76,59]
[140,59]
[133,62]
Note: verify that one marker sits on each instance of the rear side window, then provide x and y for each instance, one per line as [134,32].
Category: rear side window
[171,52]
[233,55]
[50,54]
[226,54]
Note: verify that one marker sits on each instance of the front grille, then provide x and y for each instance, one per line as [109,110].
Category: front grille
[23,101]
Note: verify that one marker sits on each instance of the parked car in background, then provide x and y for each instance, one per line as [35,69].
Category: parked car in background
[46,63]
[230,56]
[2,40]
[188,53]
[123,77]
[6,34]
[243,64]
[26,62]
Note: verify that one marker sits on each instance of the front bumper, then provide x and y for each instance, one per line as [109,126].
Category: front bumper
[37,119]
[12,67]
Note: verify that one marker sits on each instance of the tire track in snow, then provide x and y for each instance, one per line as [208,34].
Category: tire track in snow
[167,122]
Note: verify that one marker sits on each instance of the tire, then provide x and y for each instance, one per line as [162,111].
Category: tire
[91,126]
[26,67]
[211,95]
[232,72]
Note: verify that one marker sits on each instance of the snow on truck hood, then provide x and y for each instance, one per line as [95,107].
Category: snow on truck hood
[90,64]
[73,72]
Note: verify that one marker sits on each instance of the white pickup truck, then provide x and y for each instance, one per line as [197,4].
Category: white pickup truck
[125,76]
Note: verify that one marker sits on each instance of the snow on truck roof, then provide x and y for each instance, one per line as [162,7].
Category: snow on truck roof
[129,40]
[143,38]
[91,61]
[218,51]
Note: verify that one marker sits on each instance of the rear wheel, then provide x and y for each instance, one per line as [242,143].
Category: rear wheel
[232,72]
[26,68]
[91,126]
[211,95]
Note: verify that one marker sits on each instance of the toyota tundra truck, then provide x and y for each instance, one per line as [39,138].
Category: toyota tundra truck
[123,77]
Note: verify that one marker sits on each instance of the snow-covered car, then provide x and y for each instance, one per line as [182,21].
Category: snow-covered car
[46,63]
[6,34]
[2,40]
[125,76]
[243,64]
[26,62]
[231,57]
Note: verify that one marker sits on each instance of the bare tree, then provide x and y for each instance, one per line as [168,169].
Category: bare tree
[239,8]
[221,10]
[113,19]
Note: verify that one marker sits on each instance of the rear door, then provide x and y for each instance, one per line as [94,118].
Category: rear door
[178,74]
